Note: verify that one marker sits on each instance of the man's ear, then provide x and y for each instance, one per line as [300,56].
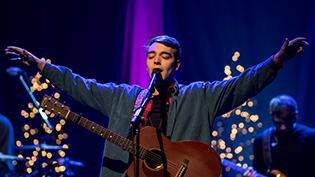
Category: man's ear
[178,63]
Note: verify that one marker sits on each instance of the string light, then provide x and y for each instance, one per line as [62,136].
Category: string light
[241,131]
[31,134]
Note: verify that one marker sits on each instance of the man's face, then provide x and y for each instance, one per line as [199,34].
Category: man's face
[283,121]
[161,57]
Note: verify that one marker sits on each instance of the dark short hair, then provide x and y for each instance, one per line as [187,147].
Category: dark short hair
[283,102]
[167,41]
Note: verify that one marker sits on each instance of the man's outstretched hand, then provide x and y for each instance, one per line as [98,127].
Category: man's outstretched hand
[25,56]
[290,49]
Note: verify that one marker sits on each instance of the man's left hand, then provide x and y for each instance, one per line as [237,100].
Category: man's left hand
[290,49]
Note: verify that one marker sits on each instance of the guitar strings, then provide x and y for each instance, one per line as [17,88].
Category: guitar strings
[156,159]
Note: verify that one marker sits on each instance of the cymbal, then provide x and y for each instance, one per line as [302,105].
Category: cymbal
[42,146]
[9,157]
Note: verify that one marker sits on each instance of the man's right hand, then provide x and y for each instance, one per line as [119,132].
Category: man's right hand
[250,172]
[26,57]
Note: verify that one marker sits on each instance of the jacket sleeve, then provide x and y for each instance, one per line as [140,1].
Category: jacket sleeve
[222,96]
[101,97]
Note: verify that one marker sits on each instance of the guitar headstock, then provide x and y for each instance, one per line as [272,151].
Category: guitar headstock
[52,105]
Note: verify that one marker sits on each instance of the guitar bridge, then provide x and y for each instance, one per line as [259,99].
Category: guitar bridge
[183,168]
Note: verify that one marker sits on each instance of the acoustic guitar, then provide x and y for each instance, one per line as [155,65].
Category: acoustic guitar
[233,166]
[159,157]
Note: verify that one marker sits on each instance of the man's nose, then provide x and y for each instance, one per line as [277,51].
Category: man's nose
[282,127]
[157,60]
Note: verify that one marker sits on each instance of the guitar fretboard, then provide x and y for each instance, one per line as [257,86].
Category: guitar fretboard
[54,106]
[235,167]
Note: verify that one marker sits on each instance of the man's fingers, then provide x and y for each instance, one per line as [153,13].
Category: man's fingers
[299,41]
[305,43]
[285,44]
[13,49]
[11,53]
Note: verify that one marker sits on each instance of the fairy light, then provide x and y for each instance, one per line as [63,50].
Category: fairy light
[32,114]
[241,125]
[65,135]
[62,168]
[240,158]
[49,155]
[250,103]
[228,149]
[57,95]
[58,141]
[29,170]
[44,164]
[44,153]
[32,132]
[251,129]
[238,136]
[229,155]
[35,141]
[52,115]
[35,153]
[214,133]
[61,153]
[62,122]
[254,118]
[18,143]
[58,127]
[31,136]
[240,68]
[26,135]
[213,143]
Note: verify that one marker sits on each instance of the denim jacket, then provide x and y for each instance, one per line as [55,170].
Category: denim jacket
[190,115]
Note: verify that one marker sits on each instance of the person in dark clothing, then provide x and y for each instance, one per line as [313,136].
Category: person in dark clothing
[6,145]
[286,148]
[181,112]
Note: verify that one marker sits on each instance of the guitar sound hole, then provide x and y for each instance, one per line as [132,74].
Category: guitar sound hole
[154,159]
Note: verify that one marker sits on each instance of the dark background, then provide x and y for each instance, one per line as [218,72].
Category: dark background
[87,36]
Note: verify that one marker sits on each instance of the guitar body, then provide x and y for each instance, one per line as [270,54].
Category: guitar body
[232,165]
[277,173]
[159,156]
[183,158]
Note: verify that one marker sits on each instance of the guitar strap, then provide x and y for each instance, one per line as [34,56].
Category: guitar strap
[139,99]
[266,143]
[147,109]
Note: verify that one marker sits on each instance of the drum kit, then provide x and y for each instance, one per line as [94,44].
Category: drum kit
[54,167]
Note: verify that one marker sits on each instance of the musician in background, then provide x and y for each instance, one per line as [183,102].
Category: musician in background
[286,146]
[181,112]
[6,144]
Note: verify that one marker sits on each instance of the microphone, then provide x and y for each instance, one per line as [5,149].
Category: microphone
[16,71]
[155,79]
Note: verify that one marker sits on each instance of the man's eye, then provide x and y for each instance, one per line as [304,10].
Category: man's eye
[150,56]
[166,56]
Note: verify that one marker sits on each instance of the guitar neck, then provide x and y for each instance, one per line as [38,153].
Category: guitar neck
[53,105]
[237,168]
[110,136]
[101,131]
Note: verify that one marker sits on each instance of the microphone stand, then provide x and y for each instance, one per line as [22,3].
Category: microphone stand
[40,110]
[137,119]
[15,71]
